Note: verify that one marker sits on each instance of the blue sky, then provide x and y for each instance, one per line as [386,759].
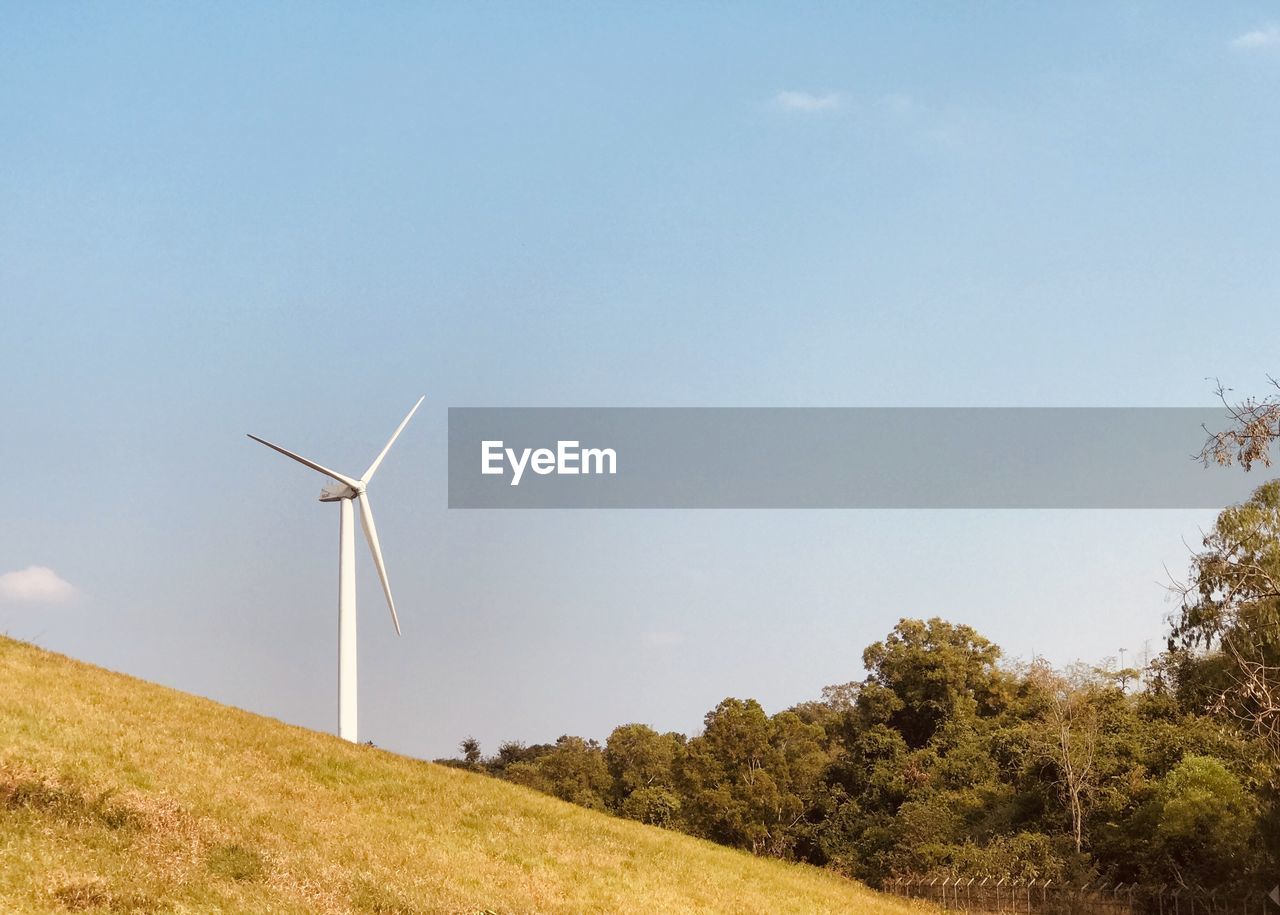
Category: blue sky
[294,219]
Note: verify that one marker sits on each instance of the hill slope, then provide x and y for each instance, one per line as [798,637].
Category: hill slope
[118,795]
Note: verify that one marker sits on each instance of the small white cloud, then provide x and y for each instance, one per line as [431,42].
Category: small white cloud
[1268,36]
[793,100]
[36,584]
[663,637]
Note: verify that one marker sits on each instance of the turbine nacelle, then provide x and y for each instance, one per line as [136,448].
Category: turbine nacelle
[336,492]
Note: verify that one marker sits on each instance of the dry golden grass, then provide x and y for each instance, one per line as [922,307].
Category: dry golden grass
[121,796]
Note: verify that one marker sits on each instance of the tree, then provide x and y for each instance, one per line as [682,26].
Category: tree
[1236,581]
[643,767]
[841,697]
[638,757]
[575,771]
[655,806]
[511,752]
[1254,426]
[933,671]
[725,773]
[1232,605]
[470,748]
[1201,823]
[749,780]
[1069,738]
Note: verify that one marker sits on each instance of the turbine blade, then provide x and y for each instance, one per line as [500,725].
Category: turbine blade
[368,474]
[371,534]
[312,464]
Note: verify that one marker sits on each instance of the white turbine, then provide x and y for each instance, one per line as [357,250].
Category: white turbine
[345,490]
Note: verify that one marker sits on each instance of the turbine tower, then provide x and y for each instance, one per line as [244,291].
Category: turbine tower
[344,490]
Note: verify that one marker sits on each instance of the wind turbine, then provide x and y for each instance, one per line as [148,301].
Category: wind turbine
[344,490]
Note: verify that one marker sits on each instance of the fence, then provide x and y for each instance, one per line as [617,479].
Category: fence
[1044,897]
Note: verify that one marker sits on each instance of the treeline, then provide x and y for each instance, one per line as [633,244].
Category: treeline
[944,760]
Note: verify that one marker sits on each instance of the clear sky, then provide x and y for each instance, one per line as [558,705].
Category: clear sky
[294,219]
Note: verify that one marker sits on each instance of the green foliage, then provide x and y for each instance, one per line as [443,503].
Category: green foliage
[1231,607]
[573,769]
[730,776]
[655,806]
[934,671]
[1202,821]
[638,757]
[942,762]
[470,748]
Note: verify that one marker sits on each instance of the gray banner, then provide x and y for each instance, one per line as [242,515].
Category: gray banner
[642,457]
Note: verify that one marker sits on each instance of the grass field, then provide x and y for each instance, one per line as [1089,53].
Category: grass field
[117,795]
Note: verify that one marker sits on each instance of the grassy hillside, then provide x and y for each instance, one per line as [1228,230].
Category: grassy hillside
[118,795]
